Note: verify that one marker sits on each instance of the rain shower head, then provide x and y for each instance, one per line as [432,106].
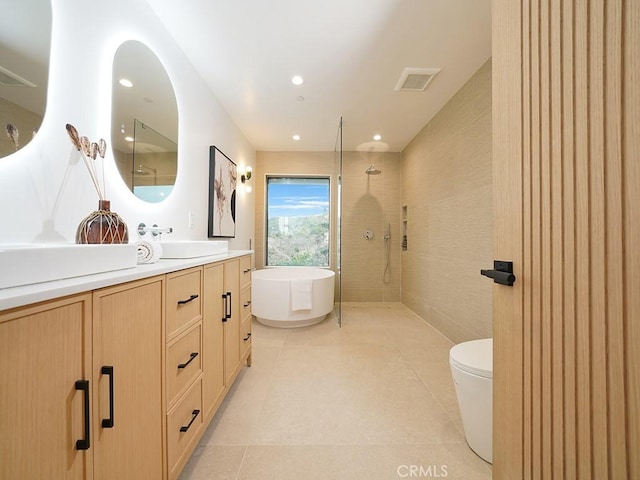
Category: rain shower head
[140,170]
[372,170]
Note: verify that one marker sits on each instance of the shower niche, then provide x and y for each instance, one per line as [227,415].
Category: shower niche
[404,228]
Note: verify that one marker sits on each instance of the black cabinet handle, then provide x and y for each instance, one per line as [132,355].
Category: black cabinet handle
[191,358]
[246,271]
[108,422]
[228,316]
[190,299]
[186,427]
[224,315]
[85,443]
[247,304]
[247,337]
[227,306]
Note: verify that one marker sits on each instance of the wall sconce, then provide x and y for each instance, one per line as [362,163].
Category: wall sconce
[245,177]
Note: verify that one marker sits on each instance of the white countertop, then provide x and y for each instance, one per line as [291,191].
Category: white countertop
[38,292]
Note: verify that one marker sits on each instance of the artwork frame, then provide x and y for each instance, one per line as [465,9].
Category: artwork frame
[223,175]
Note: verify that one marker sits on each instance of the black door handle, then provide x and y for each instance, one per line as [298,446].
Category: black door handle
[224,317]
[228,314]
[108,422]
[85,443]
[502,273]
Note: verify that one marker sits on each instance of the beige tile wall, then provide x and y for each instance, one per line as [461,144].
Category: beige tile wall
[447,188]
[371,202]
[368,202]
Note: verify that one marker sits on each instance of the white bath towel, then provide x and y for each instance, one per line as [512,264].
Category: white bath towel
[301,294]
[148,252]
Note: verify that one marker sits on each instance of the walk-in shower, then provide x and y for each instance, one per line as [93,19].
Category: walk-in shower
[386,274]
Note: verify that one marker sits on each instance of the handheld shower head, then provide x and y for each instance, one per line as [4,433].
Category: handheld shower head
[372,170]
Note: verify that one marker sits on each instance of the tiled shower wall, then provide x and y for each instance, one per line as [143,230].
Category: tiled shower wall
[371,202]
[447,189]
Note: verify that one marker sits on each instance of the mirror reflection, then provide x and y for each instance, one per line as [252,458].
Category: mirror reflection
[154,160]
[25,42]
[144,123]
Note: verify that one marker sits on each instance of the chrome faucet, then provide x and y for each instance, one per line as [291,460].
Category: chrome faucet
[155,230]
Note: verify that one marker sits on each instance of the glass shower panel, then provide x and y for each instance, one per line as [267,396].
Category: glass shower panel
[338,203]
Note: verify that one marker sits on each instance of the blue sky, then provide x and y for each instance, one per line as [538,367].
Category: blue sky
[297,200]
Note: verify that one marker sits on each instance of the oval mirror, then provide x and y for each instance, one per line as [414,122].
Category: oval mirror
[25,43]
[144,122]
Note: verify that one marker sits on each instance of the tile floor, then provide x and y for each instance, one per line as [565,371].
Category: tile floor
[372,400]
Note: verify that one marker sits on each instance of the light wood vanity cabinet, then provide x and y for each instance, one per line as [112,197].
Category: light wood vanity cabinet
[184,365]
[137,369]
[245,307]
[184,362]
[44,350]
[81,386]
[220,357]
[232,321]
[184,299]
[213,338]
[127,380]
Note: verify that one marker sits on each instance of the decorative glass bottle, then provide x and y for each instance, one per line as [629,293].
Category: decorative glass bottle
[102,226]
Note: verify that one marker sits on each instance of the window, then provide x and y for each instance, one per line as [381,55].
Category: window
[297,221]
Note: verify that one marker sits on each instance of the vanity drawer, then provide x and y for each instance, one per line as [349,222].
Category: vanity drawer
[184,362]
[245,304]
[184,298]
[184,423]
[245,271]
[245,336]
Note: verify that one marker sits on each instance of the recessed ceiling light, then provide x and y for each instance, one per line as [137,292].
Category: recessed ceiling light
[125,82]
[377,137]
[129,139]
[296,137]
[297,80]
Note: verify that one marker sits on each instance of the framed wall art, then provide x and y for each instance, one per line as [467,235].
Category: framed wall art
[223,174]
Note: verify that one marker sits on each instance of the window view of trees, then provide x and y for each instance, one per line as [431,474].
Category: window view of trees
[297,221]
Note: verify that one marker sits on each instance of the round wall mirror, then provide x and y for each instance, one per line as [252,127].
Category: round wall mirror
[144,130]
[25,43]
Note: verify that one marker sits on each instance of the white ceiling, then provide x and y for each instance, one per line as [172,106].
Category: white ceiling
[351,54]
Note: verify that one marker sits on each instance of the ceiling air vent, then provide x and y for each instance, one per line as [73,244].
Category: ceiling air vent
[416,79]
[10,79]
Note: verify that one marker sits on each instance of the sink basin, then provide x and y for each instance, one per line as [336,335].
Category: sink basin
[42,262]
[193,248]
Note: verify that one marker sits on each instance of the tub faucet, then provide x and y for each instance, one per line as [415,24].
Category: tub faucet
[155,230]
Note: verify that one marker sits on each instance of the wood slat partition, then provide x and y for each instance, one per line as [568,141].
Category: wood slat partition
[566,114]
[631,236]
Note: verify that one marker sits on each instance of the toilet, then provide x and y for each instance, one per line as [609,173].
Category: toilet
[472,370]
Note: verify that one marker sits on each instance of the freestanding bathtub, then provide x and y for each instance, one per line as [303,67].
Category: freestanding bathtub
[280,295]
